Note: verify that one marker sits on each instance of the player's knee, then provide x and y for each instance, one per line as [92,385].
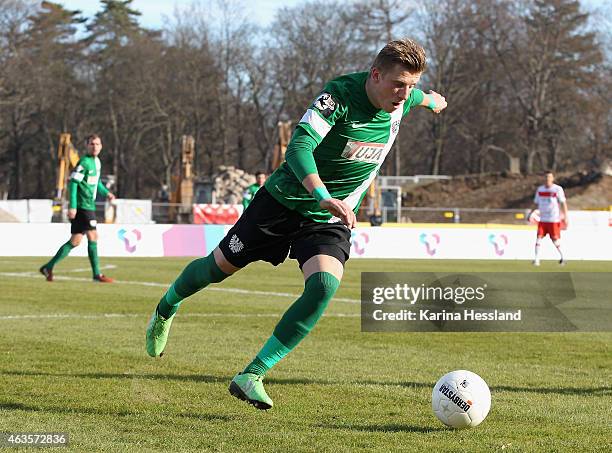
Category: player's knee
[75,242]
[223,264]
[197,275]
[322,285]
[557,242]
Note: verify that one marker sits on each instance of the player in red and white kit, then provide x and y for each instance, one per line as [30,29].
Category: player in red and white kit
[548,197]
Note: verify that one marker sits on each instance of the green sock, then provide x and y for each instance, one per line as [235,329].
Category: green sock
[297,322]
[92,252]
[62,253]
[197,275]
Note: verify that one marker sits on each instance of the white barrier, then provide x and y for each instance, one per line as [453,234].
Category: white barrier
[133,211]
[418,241]
[463,242]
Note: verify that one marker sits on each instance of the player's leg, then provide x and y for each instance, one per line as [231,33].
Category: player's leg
[261,233]
[541,233]
[92,254]
[555,237]
[47,268]
[538,244]
[557,243]
[322,275]
[196,276]
[321,251]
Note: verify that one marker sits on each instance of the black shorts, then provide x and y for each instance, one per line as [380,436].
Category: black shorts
[268,231]
[84,221]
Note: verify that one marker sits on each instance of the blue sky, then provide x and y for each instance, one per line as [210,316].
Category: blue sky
[260,11]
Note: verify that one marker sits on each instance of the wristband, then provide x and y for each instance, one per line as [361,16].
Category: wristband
[431,105]
[320,193]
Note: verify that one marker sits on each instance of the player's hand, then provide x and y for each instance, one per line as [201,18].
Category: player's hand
[341,210]
[439,100]
[71,213]
[110,196]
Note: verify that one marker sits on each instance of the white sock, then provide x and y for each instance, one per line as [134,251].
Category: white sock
[558,245]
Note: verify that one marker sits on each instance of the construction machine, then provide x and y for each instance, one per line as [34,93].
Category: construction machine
[67,159]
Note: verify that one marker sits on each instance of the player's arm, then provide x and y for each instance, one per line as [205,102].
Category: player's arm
[299,157]
[104,191]
[432,100]
[564,209]
[338,208]
[79,173]
[316,123]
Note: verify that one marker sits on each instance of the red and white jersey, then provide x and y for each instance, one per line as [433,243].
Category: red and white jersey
[548,200]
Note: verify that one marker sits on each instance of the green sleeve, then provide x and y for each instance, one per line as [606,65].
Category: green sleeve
[78,175]
[72,193]
[102,189]
[299,155]
[416,97]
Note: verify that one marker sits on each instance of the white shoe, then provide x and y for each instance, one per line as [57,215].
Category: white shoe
[562,262]
[536,262]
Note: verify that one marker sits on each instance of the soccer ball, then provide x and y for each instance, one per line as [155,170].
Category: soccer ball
[461,399]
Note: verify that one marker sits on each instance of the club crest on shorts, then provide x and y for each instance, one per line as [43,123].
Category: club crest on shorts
[235,244]
[325,104]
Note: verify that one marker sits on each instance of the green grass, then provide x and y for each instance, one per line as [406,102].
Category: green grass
[86,373]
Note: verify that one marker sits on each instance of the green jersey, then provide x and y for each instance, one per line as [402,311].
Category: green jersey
[249,193]
[84,184]
[353,138]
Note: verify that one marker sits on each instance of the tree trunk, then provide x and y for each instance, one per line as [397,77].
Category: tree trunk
[116,144]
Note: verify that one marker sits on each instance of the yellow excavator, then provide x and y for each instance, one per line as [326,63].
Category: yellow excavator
[67,159]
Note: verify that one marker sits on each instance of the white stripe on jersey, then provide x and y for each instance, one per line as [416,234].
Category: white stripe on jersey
[77,176]
[313,119]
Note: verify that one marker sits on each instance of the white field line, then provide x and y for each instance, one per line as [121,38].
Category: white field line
[136,315]
[164,285]
[88,269]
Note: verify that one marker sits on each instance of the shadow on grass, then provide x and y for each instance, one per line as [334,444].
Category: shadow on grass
[11,406]
[606,390]
[388,428]
[169,377]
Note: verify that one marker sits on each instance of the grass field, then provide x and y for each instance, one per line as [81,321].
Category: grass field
[73,361]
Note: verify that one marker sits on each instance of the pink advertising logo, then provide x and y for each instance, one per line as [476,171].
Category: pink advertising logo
[129,238]
[430,241]
[499,242]
[359,242]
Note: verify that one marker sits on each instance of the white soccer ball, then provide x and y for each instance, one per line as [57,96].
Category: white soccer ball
[461,399]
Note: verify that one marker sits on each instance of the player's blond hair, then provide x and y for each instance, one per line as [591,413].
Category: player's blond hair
[405,52]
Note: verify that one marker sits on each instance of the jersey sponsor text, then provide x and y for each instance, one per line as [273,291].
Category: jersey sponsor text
[372,153]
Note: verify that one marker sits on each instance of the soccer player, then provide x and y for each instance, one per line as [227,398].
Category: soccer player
[548,197]
[249,193]
[83,185]
[307,206]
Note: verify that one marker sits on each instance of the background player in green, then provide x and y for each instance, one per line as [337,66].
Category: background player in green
[249,193]
[307,206]
[82,188]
